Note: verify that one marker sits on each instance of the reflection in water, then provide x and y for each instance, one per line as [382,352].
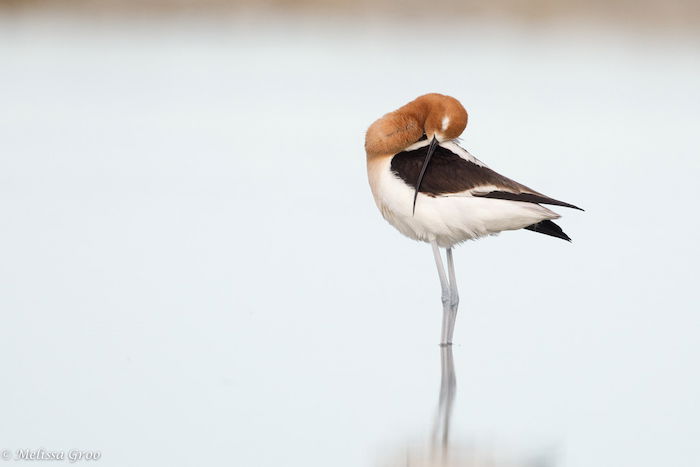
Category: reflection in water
[448,386]
[440,452]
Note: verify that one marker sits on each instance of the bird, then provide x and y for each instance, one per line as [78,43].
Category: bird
[432,190]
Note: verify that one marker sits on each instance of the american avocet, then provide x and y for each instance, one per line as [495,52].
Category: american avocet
[432,190]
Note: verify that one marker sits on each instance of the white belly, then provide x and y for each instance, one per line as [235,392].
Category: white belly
[447,219]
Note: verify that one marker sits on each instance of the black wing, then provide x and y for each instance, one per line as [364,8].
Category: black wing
[448,173]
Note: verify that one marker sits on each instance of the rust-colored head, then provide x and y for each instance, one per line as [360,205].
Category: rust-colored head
[434,115]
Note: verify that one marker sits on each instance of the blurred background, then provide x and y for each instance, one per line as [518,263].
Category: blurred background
[193,271]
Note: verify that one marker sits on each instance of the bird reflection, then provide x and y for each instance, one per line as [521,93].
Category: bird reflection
[441,451]
[448,386]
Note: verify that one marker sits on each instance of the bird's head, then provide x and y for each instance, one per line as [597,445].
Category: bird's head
[438,117]
[445,118]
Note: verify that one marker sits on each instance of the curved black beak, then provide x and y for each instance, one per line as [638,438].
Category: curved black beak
[431,150]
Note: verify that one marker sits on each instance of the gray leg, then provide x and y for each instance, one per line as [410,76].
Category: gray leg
[454,295]
[446,308]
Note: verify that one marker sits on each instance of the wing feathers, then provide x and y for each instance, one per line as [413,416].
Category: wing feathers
[449,173]
[527,197]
